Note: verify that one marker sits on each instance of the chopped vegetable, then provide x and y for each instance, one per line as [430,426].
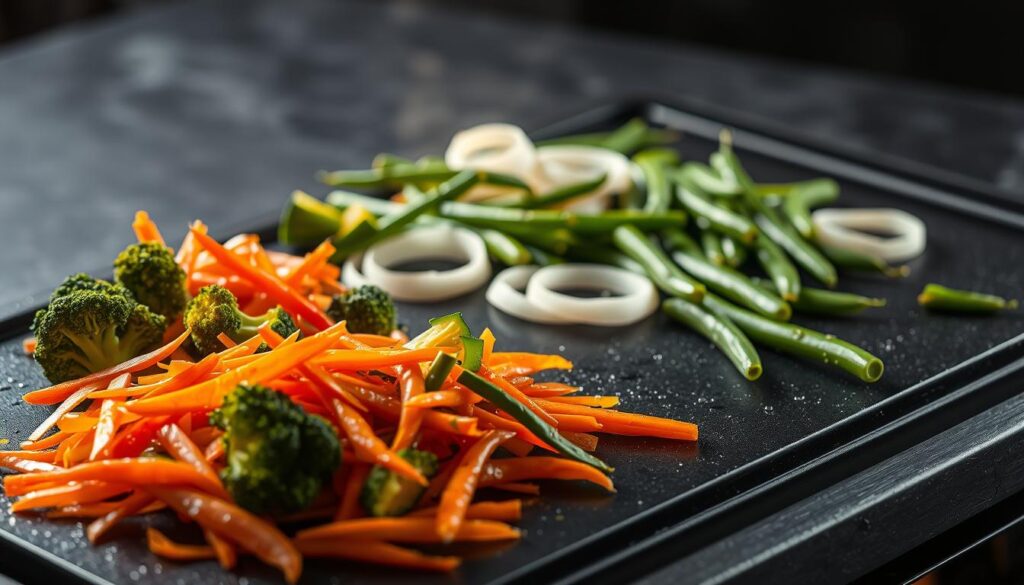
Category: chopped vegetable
[365,309]
[385,493]
[149,271]
[936,297]
[214,311]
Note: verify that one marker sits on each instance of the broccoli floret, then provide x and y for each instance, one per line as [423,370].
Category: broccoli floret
[365,309]
[278,455]
[149,271]
[215,310]
[386,493]
[85,331]
[83,281]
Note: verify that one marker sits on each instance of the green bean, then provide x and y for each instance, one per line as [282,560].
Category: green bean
[936,297]
[375,205]
[397,175]
[439,369]
[503,217]
[721,331]
[803,197]
[803,252]
[851,260]
[386,160]
[630,137]
[818,301]
[710,242]
[604,255]
[505,248]
[555,241]
[563,194]
[782,272]
[709,180]
[656,264]
[654,164]
[543,257]
[392,223]
[718,218]
[800,341]
[536,425]
[725,281]
[735,254]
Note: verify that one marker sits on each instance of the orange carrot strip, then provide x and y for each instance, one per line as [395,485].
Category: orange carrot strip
[69,403]
[499,471]
[244,529]
[357,359]
[530,489]
[164,547]
[59,392]
[181,379]
[316,374]
[380,553]
[548,389]
[407,529]
[591,401]
[227,557]
[41,456]
[310,263]
[376,340]
[488,338]
[460,490]
[145,229]
[28,345]
[97,509]
[505,511]
[577,423]
[349,506]
[206,435]
[181,447]
[390,409]
[292,301]
[521,431]
[129,506]
[369,448]
[411,383]
[625,423]
[76,449]
[437,399]
[106,427]
[240,287]
[534,362]
[46,443]
[518,395]
[518,447]
[227,341]
[584,441]
[75,493]
[131,471]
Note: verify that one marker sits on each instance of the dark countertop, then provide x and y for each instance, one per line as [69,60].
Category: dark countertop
[218,110]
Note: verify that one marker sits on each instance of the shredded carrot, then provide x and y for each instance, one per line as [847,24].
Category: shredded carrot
[408,529]
[437,399]
[528,363]
[349,506]
[378,552]
[530,489]
[227,341]
[499,471]
[125,508]
[411,381]
[145,229]
[142,472]
[625,423]
[164,547]
[28,345]
[584,441]
[224,550]
[369,447]
[505,511]
[458,494]
[106,427]
[592,401]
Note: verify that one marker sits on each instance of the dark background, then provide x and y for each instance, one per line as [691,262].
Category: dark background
[976,46]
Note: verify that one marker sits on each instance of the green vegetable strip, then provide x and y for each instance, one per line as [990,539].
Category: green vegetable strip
[718,218]
[654,164]
[802,251]
[472,353]
[721,331]
[386,160]
[735,253]
[827,302]
[709,180]
[779,268]
[657,265]
[803,197]
[438,372]
[941,298]
[800,341]
[307,221]
[598,254]
[543,257]
[375,205]
[850,260]
[503,218]
[723,280]
[395,175]
[711,244]
[628,138]
[563,194]
[528,419]
[504,248]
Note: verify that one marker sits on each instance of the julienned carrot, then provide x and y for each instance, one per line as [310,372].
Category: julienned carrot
[455,499]
[357,359]
[225,340]
[437,399]
[244,529]
[292,301]
[348,507]
[625,423]
[376,340]
[316,374]
[390,409]
[499,471]
[164,547]
[312,261]
[240,287]
[369,448]
[145,229]
[97,509]
[181,379]
[59,392]
[411,384]
[136,437]
[577,423]
[518,395]
[28,345]
[533,362]
[530,489]
[180,446]
[548,389]
[133,471]
[129,506]
[488,338]
[86,492]
[380,553]
[106,426]
[210,394]
[70,402]
[45,443]
[222,549]
[500,422]
[407,529]
[592,401]
[40,456]
[584,441]
[505,511]
[517,447]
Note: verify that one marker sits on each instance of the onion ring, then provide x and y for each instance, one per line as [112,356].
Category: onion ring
[841,228]
[505,294]
[639,297]
[562,165]
[434,242]
[498,148]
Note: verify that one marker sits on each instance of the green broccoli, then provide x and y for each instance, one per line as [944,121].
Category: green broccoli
[150,272]
[87,330]
[278,455]
[83,281]
[386,493]
[215,310]
[365,309]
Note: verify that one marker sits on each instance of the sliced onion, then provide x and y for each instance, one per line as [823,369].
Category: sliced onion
[638,297]
[351,272]
[563,165]
[499,148]
[846,228]
[505,294]
[426,243]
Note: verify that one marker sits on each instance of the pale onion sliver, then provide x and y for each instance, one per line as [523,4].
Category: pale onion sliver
[426,243]
[638,297]
[351,272]
[498,148]
[841,228]
[563,165]
[505,294]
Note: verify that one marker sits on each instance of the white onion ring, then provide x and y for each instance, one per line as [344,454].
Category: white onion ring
[563,165]
[434,242]
[498,148]
[504,294]
[351,274]
[840,228]
[638,297]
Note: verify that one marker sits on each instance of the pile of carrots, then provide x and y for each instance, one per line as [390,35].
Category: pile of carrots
[85,461]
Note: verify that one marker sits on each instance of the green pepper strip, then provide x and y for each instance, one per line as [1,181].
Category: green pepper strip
[940,298]
[800,341]
[721,331]
[803,197]
[438,372]
[472,353]
[727,282]
[818,301]
[850,260]
[657,265]
[654,164]
[528,419]
[718,218]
